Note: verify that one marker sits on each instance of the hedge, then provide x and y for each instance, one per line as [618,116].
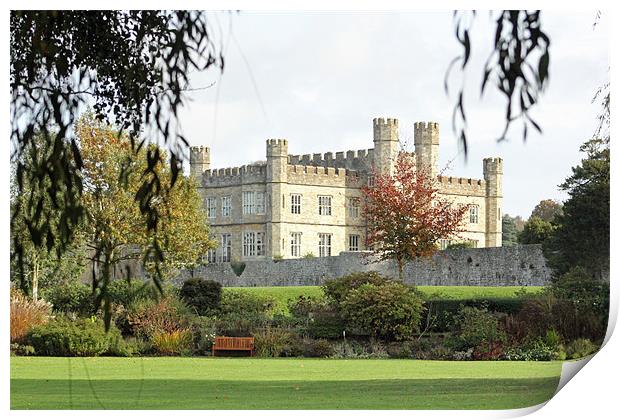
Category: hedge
[442,311]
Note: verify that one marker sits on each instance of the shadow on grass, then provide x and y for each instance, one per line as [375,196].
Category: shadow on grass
[218,394]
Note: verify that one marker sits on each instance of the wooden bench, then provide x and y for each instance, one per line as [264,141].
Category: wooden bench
[233,343]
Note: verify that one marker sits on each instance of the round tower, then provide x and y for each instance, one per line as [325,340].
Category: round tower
[426,141]
[493,169]
[199,161]
[385,138]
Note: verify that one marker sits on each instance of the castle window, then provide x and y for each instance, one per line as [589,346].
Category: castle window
[473,214]
[260,203]
[443,243]
[211,207]
[253,202]
[295,244]
[325,205]
[296,203]
[226,207]
[354,242]
[248,202]
[253,244]
[260,243]
[371,180]
[226,247]
[211,256]
[354,207]
[325,244]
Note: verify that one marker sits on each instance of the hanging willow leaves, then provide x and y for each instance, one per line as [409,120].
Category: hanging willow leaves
[132,68]
[518,66]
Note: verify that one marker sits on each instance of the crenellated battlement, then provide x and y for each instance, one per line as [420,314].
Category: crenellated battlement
[277,148]
[277,142]
[322,175]
[458,185]
[351,159]
[426,133]
[239,170]
[493,165]
[385,129]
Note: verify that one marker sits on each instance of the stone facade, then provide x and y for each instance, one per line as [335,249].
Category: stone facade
[522,265]
[295,205]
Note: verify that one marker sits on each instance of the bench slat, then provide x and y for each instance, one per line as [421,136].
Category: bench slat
[233,343]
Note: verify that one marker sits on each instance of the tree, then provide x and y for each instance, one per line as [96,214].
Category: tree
[115,228]
[547,210]
[133,66]
[405,216]
[509,231]
[536,231]
[582,237]
[41,265]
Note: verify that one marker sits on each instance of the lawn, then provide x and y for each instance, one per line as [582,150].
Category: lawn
[285,293]
[251,383]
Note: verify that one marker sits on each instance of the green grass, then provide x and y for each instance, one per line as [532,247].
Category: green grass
[283,294]
[251,383]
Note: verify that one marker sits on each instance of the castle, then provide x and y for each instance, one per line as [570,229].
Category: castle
[298,205]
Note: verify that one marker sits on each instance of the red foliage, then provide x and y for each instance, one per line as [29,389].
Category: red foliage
[406,218]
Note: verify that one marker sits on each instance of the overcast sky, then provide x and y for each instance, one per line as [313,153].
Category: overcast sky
[318,80]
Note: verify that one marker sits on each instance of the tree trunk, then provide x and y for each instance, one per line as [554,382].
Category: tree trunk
[35,278]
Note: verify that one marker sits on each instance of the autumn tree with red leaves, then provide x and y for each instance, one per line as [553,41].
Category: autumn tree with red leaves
[405,215]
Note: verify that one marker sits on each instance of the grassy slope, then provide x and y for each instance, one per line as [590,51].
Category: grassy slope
[250,383]
[284,293]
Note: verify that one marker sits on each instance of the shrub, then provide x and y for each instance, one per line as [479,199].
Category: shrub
[326,325]
[400,350]
[318,348]
[583,305]
[390,310]
[235,325]
[71,298]
[21,350]
[461,245]
[303,306]
[440,313]
[237,267]
[149,318]
[128,293]
[478,329]
[535,318]
[26,314]
[580,347]
[204,330]
[534,350]
[202,295]
[172,343]
[62,337]
[246,304]
[271,342]
[337,289]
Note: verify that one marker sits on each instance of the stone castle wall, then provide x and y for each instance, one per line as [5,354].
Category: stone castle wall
[522,265]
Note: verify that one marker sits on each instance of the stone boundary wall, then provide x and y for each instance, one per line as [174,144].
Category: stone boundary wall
[522,265]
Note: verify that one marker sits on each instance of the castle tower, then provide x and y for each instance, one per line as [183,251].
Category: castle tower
[385,138]
[426,141]
[199,161]
[493,170]
[277,162]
